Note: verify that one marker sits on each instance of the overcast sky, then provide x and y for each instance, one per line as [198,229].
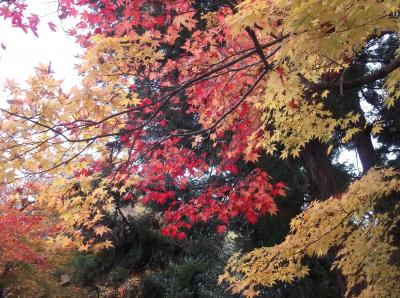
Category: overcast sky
[25,51]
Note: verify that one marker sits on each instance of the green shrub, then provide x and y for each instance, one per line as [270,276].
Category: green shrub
[151,287]
[119,274]
[85,269]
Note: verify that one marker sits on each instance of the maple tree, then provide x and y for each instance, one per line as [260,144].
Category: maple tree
[164,80]
[17,229]
[23,230]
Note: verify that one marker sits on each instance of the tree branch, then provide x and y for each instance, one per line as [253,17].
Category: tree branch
[361,81]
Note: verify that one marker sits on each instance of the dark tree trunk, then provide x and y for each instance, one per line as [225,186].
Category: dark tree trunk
[325,185]
[365,150]
[363,143]
[319,168]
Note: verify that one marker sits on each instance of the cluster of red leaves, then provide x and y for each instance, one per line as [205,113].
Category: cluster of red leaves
[170,172]
[14,10]
[24,226]
[121,17]
[250,199]
[19,231]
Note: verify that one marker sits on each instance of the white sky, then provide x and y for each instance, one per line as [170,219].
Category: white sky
[25,51]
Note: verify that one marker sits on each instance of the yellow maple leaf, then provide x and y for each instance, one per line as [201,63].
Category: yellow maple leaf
[101,230]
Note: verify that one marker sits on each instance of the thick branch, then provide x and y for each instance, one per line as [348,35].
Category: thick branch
[370,78]
[257,45]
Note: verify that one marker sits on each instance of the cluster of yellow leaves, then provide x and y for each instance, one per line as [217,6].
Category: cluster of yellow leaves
[392,86]
[44,126]
[54,138]
[322,37]
[111,59]
[352,222]
[82,209]
[320,31]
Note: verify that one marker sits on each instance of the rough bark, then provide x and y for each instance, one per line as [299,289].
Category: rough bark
[319,168]
[365,150]
[363,142]
[322,177]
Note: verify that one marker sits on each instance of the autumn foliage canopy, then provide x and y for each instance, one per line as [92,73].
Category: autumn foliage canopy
[175,96]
